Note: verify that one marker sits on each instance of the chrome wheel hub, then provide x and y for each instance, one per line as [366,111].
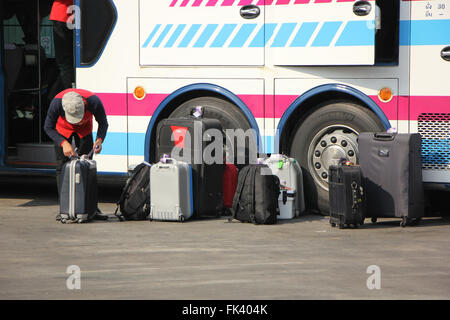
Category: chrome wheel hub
[328,147]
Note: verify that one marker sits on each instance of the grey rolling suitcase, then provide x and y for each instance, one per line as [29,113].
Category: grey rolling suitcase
[290,174]
[391,167]
[78,196]
[171,191]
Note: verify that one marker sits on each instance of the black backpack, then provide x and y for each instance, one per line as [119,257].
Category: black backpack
[134,202]
[256,197]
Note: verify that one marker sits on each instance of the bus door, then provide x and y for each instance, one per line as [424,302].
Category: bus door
[30,81]
[179,32]
[322,32]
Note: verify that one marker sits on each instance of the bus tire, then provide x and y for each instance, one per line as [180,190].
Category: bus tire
[226,112]
[318,142]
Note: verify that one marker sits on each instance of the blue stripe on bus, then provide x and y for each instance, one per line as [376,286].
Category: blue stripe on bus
[189,35]
[424,32]
[174,37]
[205,36]
[223,35]
[263,36]
[242,35]
[122,144]
[150,37]
[326,34]
[162,35]
[283,35]
[436,151]
[304,34]
[357,33]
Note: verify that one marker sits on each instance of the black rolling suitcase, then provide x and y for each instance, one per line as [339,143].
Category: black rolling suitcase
[256,197]
[346,196]
[78,196]
[391,167]
[172,139]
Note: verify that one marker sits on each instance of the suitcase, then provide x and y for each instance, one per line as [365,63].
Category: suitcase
[229,184]
[172,139]
[78,196]
[290,174]
[256,198]
[171,195]
[391,167]
[346,196]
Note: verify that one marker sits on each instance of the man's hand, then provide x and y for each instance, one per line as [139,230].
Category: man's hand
[68,149]
[98,146]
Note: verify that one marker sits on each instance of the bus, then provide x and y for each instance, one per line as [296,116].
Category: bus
[307,76]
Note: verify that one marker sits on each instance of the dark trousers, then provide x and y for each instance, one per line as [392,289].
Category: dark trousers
[64,53]
[83,145]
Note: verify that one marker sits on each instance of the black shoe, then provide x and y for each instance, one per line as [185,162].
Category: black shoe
[58,217]
[99,216]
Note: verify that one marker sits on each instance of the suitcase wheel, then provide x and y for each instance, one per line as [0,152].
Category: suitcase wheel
[182,219]
[374,220]
[405,221]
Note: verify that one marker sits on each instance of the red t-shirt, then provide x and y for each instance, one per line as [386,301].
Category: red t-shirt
[59,10]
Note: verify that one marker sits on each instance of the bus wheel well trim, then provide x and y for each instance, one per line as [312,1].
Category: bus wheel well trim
[213,89]
[329,88]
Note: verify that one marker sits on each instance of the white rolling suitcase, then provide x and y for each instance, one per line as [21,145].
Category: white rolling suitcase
[291,200]
[171,191]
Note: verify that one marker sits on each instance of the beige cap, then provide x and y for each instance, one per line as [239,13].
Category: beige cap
[73,105]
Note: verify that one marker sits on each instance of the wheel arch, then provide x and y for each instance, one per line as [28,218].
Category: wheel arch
[192,91]
[297,111]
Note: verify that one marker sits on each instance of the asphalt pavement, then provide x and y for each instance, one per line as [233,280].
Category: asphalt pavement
[304,258]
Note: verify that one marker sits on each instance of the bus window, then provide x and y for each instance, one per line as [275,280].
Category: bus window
[97,20]
[387,37]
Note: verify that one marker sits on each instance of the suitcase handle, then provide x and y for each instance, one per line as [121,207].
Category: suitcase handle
[384,136]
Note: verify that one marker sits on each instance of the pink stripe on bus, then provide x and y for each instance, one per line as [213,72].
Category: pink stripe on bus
[264,2]
[423,104]
[322,1]
[197,3]
[274,106]
[174,2]
[245,2]
[211,3]
[184,3]
[227,3]
[301,1]
[280,2]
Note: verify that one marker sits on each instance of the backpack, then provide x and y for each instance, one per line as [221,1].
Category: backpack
[134,202]
[256,197]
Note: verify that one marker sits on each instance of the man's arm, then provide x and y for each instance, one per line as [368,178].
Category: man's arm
[50,123]
[50,129]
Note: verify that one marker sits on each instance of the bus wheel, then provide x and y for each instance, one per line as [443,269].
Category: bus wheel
[226,112]
[328,134]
